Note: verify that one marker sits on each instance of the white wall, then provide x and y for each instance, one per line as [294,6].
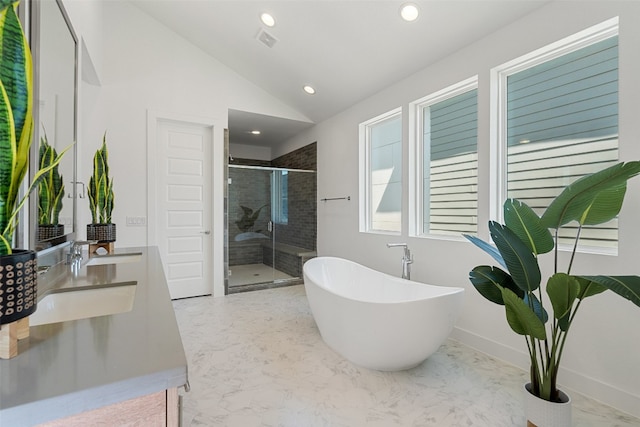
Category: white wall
[87,20]
[144,66]
[243,151]
[141,67]
[602,353]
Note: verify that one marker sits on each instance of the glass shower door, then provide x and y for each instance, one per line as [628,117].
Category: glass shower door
[249,224]
[271,225]
[293,212]
[279,220]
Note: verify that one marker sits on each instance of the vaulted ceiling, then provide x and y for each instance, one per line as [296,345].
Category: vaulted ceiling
[347,50]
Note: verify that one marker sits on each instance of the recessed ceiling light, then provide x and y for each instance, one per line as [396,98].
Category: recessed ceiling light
[409,12]
[268,19]
[255,132]
[310,90]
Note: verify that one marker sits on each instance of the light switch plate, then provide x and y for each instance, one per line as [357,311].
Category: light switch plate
[136,221]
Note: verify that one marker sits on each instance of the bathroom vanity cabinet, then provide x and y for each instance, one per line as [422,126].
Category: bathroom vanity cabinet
[157,410]
[111,369]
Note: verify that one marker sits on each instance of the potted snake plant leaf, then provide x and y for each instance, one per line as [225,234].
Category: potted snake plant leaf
[517,284]
[101,198]
[50,194]
[18,282]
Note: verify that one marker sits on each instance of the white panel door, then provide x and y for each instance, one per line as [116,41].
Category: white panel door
[184,206]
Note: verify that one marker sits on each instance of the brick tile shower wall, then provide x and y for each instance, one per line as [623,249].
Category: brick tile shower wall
[301,229]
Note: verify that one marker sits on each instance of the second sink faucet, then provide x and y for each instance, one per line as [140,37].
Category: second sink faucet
[407,259]
[75,253]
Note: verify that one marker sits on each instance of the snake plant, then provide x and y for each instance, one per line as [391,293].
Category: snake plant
[591,200]
[16,122]
[100,189]
[50,188]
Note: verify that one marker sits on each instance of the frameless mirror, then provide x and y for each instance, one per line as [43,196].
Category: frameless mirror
[54,48]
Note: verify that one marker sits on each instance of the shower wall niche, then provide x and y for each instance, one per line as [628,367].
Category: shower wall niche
[272,225]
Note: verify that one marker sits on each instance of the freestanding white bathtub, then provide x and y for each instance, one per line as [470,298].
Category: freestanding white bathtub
[376,320]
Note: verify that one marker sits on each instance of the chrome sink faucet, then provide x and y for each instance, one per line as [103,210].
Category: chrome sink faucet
[407,259]
[74,257]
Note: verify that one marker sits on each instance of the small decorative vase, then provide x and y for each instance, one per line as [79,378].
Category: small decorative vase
[542,413]
[46,232]
[18,298]
[103,233]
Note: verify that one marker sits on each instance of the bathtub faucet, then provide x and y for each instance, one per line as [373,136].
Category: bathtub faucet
[407,259]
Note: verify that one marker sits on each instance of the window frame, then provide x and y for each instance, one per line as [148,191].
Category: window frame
[498,108]
[364,134]
[277,181]
[416,167]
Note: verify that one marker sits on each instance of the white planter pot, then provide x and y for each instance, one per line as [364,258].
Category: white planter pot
[542,413]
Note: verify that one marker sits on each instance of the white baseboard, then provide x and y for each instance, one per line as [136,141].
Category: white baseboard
[571,380]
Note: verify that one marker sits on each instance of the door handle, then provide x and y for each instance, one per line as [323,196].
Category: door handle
[205,232]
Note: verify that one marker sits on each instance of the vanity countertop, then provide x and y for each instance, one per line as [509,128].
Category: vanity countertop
[75,366]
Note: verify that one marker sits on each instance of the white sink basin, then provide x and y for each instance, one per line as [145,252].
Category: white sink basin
[84,303]
[115,259]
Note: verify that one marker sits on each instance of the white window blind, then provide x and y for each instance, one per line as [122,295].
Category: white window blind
[562,123]
[450,163]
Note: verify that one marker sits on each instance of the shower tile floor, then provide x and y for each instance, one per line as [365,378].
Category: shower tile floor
[254,273]
[257,359]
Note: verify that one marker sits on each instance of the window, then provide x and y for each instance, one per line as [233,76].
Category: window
[560,121]
[447,166]
[280,196]
[381,173]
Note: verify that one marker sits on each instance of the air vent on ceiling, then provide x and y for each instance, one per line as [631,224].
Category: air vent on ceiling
[266,39]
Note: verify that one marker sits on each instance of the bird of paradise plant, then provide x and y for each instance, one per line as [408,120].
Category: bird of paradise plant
[248,219]
[590,200]
[16,122]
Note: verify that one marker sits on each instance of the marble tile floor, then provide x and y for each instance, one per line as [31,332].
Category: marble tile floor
[257,359]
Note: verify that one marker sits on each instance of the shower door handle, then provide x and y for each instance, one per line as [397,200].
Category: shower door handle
[270,226]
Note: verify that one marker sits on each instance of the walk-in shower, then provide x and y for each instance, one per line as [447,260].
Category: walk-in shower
[271,224]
